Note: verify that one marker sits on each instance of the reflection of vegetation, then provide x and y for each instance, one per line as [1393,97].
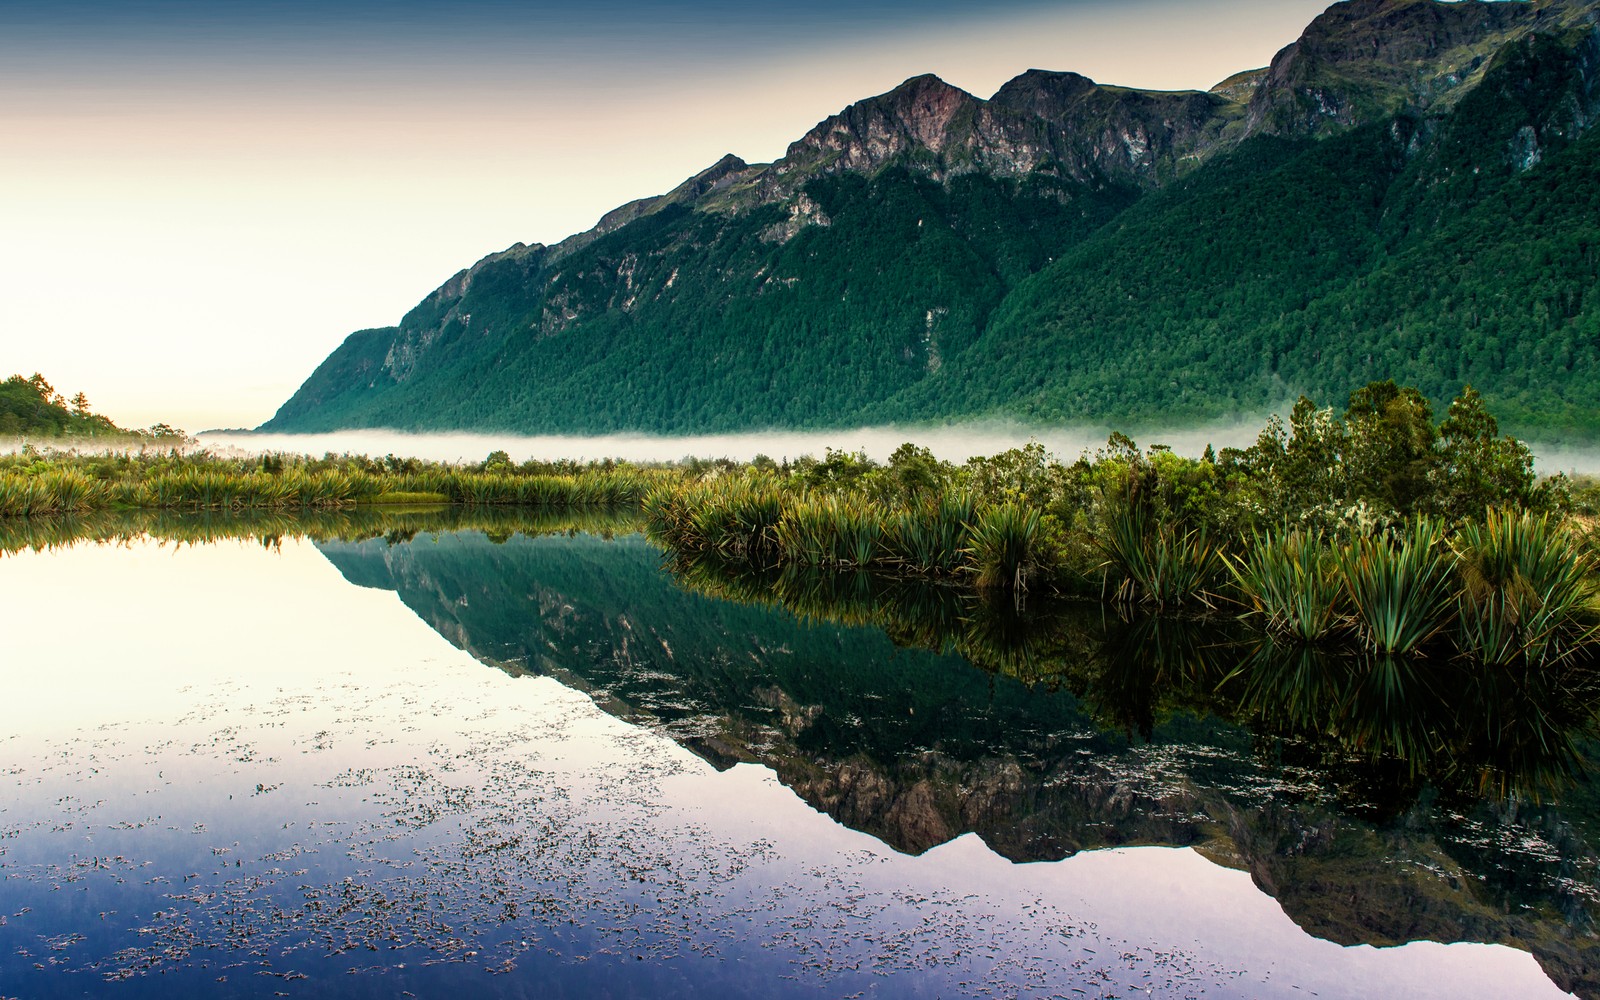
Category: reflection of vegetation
[1083,730]
[1483,729]
[397,524]
[1471,726]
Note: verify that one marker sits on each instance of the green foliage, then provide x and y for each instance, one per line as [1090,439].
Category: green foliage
[1527,591]
[1384,460]
[1291,581]
[31,406]
[930,538]
[1001,546]
[32,483]
[1476,469]
[1399,585]
[1156,564]
[747,324]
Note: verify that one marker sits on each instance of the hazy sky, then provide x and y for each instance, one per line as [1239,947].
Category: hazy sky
[199,200]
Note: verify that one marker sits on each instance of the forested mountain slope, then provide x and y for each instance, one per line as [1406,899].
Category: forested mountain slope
[1410,190]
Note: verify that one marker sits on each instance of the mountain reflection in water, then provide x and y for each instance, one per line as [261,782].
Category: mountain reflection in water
[1379,800]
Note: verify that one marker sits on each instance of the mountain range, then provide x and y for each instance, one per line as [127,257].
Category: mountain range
[1411,190]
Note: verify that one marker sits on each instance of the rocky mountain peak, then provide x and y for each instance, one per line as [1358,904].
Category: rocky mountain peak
[1361,59]
[922,112]
[713,176]
[1043,93]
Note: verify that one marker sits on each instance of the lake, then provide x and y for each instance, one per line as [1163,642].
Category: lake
[404,753]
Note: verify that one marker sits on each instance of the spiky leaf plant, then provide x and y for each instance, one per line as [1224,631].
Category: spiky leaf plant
[1527,591]
[1290,582]
[1400,585]
[1001,546]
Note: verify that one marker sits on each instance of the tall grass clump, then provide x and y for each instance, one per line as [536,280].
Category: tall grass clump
[831,532]
[1002,545]
[1526,591]
[731,520]
[1401,586]
[929,539]
[1291,582]
[584,489]
[1156,564]
[60,491]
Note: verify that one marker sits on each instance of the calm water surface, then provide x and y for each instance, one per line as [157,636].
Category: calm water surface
[543,765]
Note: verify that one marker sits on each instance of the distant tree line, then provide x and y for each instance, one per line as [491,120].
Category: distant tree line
[31,407]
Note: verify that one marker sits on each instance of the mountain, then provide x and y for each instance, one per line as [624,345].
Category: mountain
[1410,190]
[1122,740]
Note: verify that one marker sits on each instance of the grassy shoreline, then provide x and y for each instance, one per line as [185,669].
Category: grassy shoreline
[48,483]
[1374,529]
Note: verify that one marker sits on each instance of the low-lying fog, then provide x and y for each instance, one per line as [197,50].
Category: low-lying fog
[954,443]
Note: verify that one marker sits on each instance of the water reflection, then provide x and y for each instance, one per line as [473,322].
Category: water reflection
[1378,801]
[1349,789]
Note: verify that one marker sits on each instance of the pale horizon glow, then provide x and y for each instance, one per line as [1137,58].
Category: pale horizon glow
[196,217]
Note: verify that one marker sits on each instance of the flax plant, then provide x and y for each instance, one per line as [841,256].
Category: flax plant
[1401,588]
[1002,546]
[1291,582]
[1527,591]
[1156,564]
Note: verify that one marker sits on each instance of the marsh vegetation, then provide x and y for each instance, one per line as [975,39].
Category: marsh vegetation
[1374,528]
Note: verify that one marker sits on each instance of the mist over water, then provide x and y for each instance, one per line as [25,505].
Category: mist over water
[953,443]
[1549,459]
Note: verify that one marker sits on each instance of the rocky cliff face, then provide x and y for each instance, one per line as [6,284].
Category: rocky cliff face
[1364,59]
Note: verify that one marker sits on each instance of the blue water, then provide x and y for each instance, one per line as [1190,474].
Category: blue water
[247,770]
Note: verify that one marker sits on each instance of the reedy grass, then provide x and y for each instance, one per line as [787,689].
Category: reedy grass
[56,492]
[931,538]
[198,483]
[1001,546]
[1157,565]
[1401,588]
[831,532]
[1526,591]
[1291,582]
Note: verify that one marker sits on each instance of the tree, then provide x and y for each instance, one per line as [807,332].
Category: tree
[46,391]
[80,405]
[915,471]
[1314,470]
[1390,453]
[1477,469]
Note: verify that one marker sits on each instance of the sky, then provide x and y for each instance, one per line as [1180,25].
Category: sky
[200,200]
